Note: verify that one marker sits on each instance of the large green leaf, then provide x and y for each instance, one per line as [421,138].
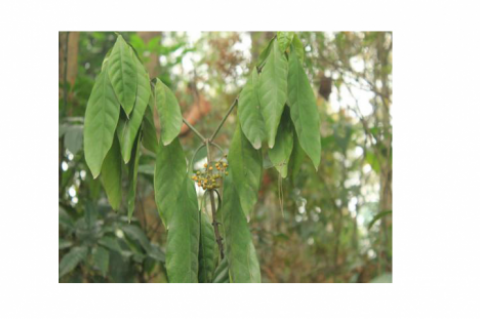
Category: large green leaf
[169,112]
[280,153]
[207,253]
[150,140]
[132,178]
[264,55]
[101,258]
[284,40]
[101,119]
[249,113]
[303,109]
[170,169]
[128,128]
[122,71]
[298,45]
[242,260]
[272,91]
[72,259]
[112,175]
[184,236]
[246,167]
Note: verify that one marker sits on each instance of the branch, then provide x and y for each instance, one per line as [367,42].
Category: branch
[224,119]
[194,130]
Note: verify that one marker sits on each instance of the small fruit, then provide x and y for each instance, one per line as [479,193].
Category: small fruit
[205,165]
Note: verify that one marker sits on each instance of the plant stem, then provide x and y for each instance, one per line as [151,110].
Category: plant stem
[224,119]
[215,224]
[195,130]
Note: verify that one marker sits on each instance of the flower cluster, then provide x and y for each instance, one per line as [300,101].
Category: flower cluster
[211,176]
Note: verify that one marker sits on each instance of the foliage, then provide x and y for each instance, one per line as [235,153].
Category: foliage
[237,213]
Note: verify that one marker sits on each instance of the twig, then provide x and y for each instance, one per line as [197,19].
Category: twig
[224,119]
[194,130]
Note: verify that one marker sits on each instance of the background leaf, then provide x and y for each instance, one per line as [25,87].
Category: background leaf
[246,168]
[272,91]
[249,114]
[184,236]
[170,169]
[169,112]
[72,259]
[240,252]
[122,71]
[303,110]
[101,258]
[101,119]
[133,172]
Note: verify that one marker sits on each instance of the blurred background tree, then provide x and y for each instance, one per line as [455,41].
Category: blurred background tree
[334,225]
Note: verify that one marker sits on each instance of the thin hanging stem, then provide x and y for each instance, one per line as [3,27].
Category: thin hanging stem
[194,130]
[224,119]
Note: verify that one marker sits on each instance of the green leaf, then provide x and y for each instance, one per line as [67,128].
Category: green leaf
[101,119]
[284,40]
[136,233]
[169,112]
[249,114]
[280,153]
[62,244]
[74,138]
[298,47]
[128,129]
[150,140]
[170,169]
[297,157]
[246,168]
[72,259]
[379,216]
[112,175]
[132,178]
[303,110]
[264,55]
[122,71]
[272,91]
[101,258]
[110,243]
[184,236]
[221,273]
[206,255]
[240,252]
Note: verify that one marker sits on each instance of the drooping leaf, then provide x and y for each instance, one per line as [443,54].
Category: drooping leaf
[169,112]
[110,243]
[72,259]
[184,236]
[298,47]
[242,260]
[272,91]
[132,177]
[150,140]
[122,71]
[249,114]
[303,110]
[280,153]
[264,55]
[63,243]
[128,128]
[379,216]
[206,254]
[101,258]
[170,169]
[246,168]
[221,273]
[284,40]
[112,175]
[297,157]
[101,119]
